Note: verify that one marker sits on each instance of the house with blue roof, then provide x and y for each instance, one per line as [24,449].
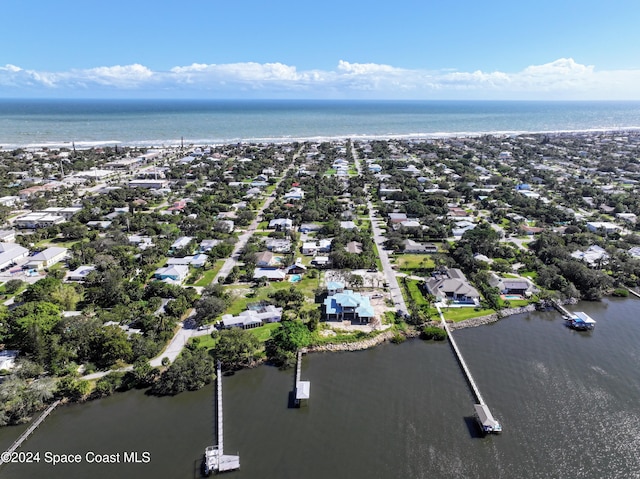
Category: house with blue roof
[348,306]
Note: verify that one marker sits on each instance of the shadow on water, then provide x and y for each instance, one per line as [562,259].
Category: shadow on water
[291,403]
[198,468]
[473,427]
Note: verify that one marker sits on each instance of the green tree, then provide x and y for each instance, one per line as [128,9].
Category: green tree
[31,325]
[111,344]
[192,370]
[236,348]
[286,340]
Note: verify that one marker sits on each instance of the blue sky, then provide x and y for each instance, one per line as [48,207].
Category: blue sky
[406,49]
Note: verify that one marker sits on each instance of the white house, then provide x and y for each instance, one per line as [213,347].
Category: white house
[47,258]
[600,226]
[80,273]
[10,253]
[175,273]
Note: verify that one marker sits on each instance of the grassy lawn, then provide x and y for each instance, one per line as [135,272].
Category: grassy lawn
[330,171]
[377,253]
[414,292]
[205,342]
[460,314]
[208,275]
[59,242]
[530,274]
[244,294]
[515,303]
[412,262]
[263,333]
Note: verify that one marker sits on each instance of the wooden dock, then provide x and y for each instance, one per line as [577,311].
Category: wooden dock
[25,435]
[301,389]
[565,312]
[485,417]
[215,460]
[635,293]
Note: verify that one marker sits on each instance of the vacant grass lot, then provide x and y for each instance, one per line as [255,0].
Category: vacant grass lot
[414,262]
[245,294]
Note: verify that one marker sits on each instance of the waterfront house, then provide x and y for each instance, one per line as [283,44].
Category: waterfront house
[450,284]
[334,287]
[515,287]
[348,306]
[593,256]
[253,318]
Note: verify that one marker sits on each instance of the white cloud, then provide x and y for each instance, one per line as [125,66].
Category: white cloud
[366,68]
[118,75]
[562,78]
[10,68]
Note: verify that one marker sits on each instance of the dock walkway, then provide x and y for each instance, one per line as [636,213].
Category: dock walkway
[463,364]
[25,435]
[215,460]
[489,424]
[301,388]
[565,312]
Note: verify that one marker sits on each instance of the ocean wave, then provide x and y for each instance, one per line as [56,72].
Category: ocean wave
[213,141]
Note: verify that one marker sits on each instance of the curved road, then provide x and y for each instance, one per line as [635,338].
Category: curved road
[182,336]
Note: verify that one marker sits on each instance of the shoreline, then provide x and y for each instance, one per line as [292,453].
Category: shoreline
[414,333]
[89,144]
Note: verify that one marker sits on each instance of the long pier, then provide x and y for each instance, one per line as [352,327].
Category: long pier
[565,312]
[301,389]
[215,459]
[25,435]
[488,423]
[635,293]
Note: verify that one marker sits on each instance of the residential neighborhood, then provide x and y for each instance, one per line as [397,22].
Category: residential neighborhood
[348,239]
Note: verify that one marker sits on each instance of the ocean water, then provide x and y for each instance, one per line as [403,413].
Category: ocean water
[165,122]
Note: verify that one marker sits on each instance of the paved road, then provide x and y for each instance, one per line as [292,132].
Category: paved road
[182,336]
[379,239]
[232,260]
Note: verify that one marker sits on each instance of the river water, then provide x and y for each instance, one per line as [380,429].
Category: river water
[568,402]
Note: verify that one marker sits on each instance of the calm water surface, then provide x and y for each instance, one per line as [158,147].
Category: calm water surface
[568,402]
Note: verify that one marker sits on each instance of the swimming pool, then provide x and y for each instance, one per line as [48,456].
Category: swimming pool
[512,296]
[294,278]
